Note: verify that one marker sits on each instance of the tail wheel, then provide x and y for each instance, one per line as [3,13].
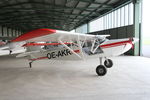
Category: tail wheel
[101,70]
[108,63]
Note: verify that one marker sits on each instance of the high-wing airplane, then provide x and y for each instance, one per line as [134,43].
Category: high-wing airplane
[61,45]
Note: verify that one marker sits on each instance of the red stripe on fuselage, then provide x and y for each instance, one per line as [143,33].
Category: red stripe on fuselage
[33,34]
[116,44]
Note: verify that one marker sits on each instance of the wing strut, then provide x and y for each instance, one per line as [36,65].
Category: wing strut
[95,45]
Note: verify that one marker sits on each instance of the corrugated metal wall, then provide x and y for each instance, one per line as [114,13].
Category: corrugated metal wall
[117,33]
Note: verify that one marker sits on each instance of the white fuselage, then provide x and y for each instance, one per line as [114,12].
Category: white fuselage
[115,47]
[109,48]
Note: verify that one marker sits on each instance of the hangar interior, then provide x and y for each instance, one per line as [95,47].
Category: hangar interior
[65,80]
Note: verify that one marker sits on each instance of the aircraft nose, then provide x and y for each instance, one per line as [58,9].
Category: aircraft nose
[135,40]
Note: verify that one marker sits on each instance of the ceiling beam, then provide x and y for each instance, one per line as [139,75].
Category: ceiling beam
[8,14]
[86,18]
[44,3]
[27,16]
[95,2]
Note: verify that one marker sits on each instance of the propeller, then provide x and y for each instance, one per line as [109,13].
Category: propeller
[133,41]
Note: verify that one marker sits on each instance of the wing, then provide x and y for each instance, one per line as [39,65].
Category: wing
[39,35]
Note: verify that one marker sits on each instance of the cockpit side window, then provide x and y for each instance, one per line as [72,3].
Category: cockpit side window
[88,46]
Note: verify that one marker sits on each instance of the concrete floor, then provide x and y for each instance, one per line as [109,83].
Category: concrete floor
[129,79]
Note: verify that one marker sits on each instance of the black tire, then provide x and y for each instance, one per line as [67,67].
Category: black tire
[108,64]
[101,70]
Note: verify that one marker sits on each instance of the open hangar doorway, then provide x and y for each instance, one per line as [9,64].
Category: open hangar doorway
[145,47]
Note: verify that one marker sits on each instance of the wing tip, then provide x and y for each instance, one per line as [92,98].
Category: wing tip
[33,34]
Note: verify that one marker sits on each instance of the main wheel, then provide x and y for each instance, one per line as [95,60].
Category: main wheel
[101,70]
[108,63]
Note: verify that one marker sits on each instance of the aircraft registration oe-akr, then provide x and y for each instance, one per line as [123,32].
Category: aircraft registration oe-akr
[62,45]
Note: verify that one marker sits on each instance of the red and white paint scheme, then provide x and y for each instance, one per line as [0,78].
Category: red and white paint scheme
[61,45]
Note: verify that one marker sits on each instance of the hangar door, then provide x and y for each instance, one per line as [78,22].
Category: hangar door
[146,29]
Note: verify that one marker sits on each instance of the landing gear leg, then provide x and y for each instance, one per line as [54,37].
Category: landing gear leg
[100,59]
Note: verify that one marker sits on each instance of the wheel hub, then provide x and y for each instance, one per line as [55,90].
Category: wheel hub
[101,70]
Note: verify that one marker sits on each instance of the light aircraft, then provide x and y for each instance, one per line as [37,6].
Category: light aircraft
[62,45]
